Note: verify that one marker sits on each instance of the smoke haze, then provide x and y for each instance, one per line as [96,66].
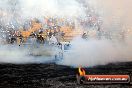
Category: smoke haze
[97,52]
[115,14]
[117,19]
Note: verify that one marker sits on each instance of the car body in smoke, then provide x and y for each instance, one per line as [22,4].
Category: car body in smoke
[54,52]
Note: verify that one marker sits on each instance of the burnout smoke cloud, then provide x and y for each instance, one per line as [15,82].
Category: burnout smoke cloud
[116,20]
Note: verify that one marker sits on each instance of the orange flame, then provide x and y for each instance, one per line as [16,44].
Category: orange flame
[81,71]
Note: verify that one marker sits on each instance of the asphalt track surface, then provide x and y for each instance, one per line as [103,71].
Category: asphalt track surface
[52,75]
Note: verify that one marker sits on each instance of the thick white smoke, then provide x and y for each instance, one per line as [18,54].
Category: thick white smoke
[117,21]
[97,52]
[35,8]
[116,18]
[16,12]
[116,15]
[21,10]
[26,54]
